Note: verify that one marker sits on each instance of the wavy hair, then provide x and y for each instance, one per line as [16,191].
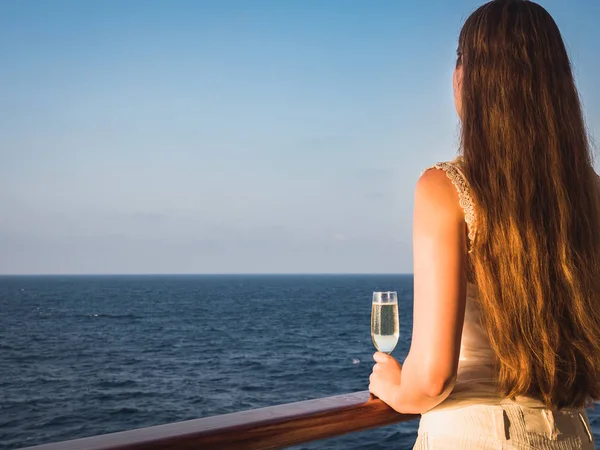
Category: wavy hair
[527,157]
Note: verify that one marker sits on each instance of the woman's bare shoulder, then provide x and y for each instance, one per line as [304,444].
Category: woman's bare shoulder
[436,191]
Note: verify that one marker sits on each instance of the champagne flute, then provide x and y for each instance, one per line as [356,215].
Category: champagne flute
[385,324]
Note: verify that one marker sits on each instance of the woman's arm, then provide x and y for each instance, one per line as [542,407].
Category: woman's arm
[439,247]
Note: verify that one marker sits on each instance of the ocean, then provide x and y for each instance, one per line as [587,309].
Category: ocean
[88,355]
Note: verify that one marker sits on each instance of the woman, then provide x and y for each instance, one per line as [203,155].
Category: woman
[505,350]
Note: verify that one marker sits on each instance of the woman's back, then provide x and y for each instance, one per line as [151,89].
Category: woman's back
[477,376]
[521,422]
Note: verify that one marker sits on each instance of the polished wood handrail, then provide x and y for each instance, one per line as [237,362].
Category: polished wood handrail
[265,428]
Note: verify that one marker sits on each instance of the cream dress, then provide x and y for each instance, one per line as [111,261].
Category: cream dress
[474,416]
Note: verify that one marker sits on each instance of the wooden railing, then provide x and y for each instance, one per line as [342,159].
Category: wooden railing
[265,428]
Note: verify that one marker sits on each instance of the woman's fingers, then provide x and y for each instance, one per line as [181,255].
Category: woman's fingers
[382,357]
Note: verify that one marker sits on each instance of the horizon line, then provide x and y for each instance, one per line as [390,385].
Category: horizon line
[200,274]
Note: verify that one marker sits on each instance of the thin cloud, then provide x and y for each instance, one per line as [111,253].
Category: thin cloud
[374,174]
[377,195]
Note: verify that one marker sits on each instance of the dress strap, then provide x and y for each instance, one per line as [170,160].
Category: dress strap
[459,181]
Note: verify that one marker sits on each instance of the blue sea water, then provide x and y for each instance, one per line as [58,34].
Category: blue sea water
[88,355]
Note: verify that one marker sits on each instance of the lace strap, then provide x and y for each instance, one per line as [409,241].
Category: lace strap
[464,194]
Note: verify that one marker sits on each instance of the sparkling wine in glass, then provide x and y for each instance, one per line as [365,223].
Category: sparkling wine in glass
[385,324]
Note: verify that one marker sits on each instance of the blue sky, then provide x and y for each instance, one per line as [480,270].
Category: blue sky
[231,136]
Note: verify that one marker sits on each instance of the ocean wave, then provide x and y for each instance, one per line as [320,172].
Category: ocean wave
[112,316]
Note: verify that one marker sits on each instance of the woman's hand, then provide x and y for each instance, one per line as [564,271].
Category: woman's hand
[385,379]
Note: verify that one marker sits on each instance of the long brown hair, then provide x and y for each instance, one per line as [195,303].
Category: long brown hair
[526,155]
